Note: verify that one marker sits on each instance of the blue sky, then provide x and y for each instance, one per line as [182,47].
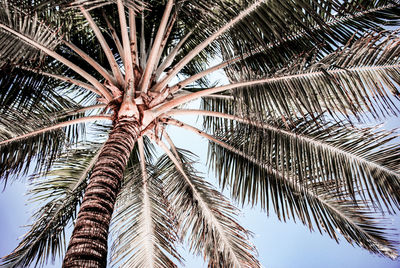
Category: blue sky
[279,244]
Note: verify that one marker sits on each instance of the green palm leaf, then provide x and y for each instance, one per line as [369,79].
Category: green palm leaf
[27,137]
[26,90]
[361,161]
[351,23]
[16,156]
[253,175]
[205,216]
[266,169]
[144,234]
[360,77]
[12,18]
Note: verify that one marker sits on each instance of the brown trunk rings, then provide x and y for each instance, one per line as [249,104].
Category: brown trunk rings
[88,244]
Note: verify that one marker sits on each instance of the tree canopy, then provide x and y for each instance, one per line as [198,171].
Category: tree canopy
[293,129]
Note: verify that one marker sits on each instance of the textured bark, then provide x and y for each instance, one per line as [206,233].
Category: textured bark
[88,244]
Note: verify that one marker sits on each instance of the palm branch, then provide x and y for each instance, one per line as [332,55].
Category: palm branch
[205,216]
[263,175]
[150,237]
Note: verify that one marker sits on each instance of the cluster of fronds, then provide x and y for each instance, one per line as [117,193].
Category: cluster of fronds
[282,131]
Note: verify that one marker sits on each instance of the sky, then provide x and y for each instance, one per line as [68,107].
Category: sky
[279,244]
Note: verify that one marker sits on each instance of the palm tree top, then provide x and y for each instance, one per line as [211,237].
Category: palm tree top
[284,129]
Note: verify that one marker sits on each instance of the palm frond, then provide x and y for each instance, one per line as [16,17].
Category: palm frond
[314,203]
[205,216]
[149,153]
[144,234]
[227,21]
[13,50]
[362,161]
[359,78]
[40,43]
[16,157]
[252,175]
[37,138]
[224,106]
[347,25]
[61,190]
[250,31]
[344,27]
[27,90]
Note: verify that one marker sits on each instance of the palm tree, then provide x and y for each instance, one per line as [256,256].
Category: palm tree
[285,132]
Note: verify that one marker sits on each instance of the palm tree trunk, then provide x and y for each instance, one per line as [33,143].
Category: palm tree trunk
[88,244]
